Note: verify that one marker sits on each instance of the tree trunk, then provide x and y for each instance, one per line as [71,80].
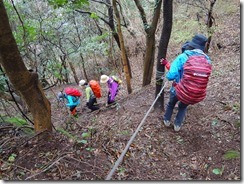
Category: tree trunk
[83,67]
[162,50]
[25,82]
[64,76]
[150,40]
[74,72]
[149,59]
[115,34]
[123,51]
[210,22]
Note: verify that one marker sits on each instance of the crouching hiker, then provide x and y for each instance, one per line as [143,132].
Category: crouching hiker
[72,96]
[113,84]
[92,91]
[189,72]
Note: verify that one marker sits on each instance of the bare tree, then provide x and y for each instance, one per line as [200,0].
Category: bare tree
[150,30]
[162,50]
[123,51]
[209,23]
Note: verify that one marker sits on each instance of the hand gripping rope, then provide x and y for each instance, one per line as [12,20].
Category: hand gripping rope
[133,136]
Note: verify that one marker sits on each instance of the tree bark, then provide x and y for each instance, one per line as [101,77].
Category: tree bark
[150,39]
[64,76]
[25,82]
[210,22]
[162,50]
[83,67]
[74,72]
[114,32]
[123,51]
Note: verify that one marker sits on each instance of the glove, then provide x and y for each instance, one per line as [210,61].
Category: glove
[165,63]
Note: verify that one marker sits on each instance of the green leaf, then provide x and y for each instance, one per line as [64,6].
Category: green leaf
[85,135]
[231,154]
[94,16]
[66,133]
[122,170]
[90,149]
[12,157]
[214,122]
[84,141]
[22,173]
[62,3]
[16,121]
[217,171]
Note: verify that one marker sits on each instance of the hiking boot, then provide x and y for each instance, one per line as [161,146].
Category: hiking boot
[167,123]
[177,128]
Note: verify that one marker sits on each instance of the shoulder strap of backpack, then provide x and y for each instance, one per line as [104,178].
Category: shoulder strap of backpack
[199,52]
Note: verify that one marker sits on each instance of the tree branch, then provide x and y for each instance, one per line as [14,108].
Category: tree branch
[143,15]
[89,13]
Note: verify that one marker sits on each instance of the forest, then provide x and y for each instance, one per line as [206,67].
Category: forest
[51,45]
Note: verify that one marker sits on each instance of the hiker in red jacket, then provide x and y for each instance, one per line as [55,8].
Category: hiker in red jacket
[195,47]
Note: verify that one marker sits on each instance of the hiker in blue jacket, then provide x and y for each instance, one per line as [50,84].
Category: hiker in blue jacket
[72,101]
[194,47]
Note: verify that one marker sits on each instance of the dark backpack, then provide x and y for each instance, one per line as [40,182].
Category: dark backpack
[192,87]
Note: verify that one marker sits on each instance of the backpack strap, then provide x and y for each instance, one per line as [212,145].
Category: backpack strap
[200,52]
[197,51]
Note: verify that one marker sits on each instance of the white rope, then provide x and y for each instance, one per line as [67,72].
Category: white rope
[133,136]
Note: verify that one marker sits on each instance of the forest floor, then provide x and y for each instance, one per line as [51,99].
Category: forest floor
[87,147]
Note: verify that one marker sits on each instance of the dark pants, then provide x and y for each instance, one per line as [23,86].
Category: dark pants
[110,100]
[91,104]
[170,107]
[72,110]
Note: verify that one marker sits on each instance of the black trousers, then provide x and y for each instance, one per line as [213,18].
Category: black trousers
[91,104]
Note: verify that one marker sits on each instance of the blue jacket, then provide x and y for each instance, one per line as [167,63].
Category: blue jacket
[72,100]
[175,72]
